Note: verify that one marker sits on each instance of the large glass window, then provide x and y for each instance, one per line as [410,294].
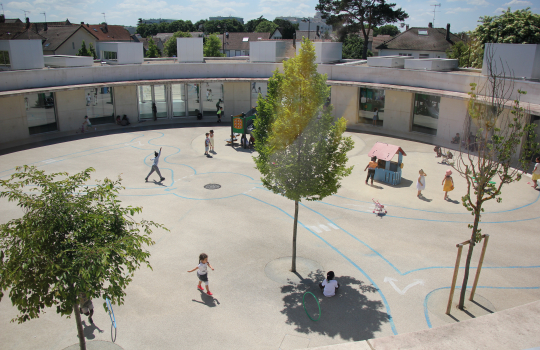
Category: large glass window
[40,112]
[100,105]
[151,96]
[144,93]
[193,99]
[4,58]
[212,95]
[256,89]
[371,106]
[110,55]
[160,99]
[178,92]
[426,113]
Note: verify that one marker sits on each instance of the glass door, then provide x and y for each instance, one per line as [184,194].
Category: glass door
[193,99]
[152,99]
[144,93]
[212,98]
[178,94]
[160,99]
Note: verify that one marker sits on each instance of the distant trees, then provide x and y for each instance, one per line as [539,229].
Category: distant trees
[92,50]
[252,24]
[388,29]
[266,27]
[212,46]
[353,46]
[225,25]
[152,51]
[170,48]
[360,16]
[287,28]
[146,30]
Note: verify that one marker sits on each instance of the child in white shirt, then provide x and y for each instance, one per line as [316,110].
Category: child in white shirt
[203,272]
[329,286]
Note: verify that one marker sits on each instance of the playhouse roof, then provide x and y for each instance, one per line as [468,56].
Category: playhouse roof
[385,151]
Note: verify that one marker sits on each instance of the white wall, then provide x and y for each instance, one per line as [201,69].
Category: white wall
[63,61]
[190,49]
[267,51]
[13,125]
[345,102]
[24,54]
[415,54]
[127,53]
[237,98]
[325,52]
[518,60]
[76,40]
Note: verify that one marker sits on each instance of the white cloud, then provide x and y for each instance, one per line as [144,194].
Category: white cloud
[499,10]
[474,2]
[459,10]
[518,3]
[20,5]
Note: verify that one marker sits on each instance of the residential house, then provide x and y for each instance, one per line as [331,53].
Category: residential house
[277,34]
[108,33]
[65,40]
[18,30]
[420,43]
[378,40]
[237,44]
[3,19]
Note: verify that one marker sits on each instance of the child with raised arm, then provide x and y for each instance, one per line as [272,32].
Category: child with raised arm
[203,272]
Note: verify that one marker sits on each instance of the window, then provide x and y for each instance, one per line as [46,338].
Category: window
[422,32]
[426,113]
[99,105]
[424,55]
[73,44]
[40,112]
[213,93]
[245,39]
[110,55]
[4,58]
[405,54]
[371,104]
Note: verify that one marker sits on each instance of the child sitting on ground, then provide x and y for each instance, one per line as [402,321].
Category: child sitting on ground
[329,286]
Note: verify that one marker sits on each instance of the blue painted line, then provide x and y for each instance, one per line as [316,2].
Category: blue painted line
[391,320]
[426,313]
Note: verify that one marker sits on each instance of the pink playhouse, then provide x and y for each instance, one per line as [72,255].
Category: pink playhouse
[388,171]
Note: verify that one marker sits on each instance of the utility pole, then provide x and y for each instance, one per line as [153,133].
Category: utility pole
[309,26]
[435,8]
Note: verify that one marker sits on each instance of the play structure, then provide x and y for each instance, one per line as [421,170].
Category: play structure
[242,125]
[387,171]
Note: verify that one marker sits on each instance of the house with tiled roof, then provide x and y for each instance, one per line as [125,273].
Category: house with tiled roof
[378,40]
[237,43]
[108,33]
[15,31]
[65,39]
[420,43]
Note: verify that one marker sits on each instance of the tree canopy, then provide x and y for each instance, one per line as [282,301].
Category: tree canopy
[302,153]
[146,30]
[212,46]
[83,51]
[265,27]
[72,238]
[170,47]
[250,26]
[222,26]
[287,28]
[353,46]
[152,51]
[388,29]
[360,16]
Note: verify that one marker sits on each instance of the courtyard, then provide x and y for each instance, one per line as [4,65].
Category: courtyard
[395,270]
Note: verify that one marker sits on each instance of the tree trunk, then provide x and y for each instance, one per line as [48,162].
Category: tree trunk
[82,342]
[365,47]
[469,256]
[293,268]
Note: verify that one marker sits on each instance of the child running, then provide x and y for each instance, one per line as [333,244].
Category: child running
[212,141]
[203,272]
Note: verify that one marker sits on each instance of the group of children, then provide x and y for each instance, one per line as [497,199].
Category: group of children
[447,183]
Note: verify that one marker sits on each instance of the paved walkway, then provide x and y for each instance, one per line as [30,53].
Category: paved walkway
[395,270]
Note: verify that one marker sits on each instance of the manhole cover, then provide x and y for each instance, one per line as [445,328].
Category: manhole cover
[212,186]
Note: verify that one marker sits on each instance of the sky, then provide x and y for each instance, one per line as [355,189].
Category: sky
[461,14]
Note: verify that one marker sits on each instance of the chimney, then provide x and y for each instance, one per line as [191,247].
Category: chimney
[407,27]
[87,25]
[106,29]
[448,32]
[82,23]
[2,19]
[430,25]
[45,27]
[27,22]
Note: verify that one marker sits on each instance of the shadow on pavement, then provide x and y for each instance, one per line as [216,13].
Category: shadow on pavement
[404,183]
[350,314]
[207,300]
[88,330]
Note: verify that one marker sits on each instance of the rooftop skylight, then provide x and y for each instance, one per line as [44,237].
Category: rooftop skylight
[422,32]
[245,39]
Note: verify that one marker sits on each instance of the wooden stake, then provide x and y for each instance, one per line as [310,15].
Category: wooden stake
[456,270]
[486,239]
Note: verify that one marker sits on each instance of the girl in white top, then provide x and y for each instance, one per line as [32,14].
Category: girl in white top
[203,272]
[421,182]
[329,286]
[212,141]
[536,172]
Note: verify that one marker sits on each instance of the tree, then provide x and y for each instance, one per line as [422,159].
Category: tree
[353,46]
[142,30]
[360,15]
[169,47]
[73,238]
[265,27]
[302,153]
[388,29]
[494,151]
[92,50]
[199,25]
[212,46]
[222,26]
[252,24]
[287,28]
[152,51]
[83,51]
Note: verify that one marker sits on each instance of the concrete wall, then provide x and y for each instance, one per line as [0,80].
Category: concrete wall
[398,110]
[452,114]
[23,54]
[63,61]
[13,125]
[518,60]
[70,109]
[237,98]
[127,53]
[415,54]
[189,49]
[267,51]
[125,102]
[345,102]
[67,47]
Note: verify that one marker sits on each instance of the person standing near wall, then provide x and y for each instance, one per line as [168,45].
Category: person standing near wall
[375,116]
[154,111]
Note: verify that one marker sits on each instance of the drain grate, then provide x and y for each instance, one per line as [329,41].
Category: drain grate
[212,186]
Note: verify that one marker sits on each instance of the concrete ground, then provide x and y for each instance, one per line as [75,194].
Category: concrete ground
[395,270]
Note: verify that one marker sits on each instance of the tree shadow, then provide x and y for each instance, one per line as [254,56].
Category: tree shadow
[350,314]
[88,330]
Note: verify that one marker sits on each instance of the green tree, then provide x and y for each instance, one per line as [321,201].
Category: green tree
[83,51]
[388,29]
[498,153]
[360,15]
[142,30]
[265,27]
[212,46]
[287,28]
[353,46]
[252,24]
[199,25]
[302,153]
[170,45]
[92,50]
[152,51]
[72,238]
[222,26]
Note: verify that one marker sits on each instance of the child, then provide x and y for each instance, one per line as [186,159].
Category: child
[86,124]
[448,183]
[371,172]
[536,173]
[203,272]
[219,114]
[207,144]
[86,307]
[421,182]
[375,116]
[212,141]
[329,286]
[155,166]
